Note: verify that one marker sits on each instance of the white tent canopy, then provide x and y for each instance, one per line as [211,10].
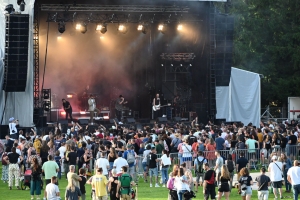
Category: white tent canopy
[240,101]
[17,104]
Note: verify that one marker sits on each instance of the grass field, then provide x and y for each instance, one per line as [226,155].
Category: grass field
[144,192]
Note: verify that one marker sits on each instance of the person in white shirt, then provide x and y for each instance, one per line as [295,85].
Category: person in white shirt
[13,128]
[144,161]
[186,153]
[219,165]
[119,163]
[103,163]
[293,176]
[52,191]
[275,169]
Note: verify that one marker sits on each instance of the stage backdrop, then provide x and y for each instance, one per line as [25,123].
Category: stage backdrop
[18,104]
[240,101]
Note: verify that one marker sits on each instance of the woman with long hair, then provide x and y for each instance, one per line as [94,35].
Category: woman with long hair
[172,195]
[211,148]
[181,183]
[51,148]
[224,186]
[245,183]
[187,153]
[72,192]
[267,143]
[44,152]
[112,156]
[36,181]
[230,162]
[112,185]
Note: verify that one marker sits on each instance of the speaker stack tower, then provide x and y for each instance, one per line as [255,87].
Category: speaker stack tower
[16,52]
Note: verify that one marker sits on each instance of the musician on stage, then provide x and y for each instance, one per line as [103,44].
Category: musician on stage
[68,109]
[176,106]
[156,102]
[119,107]
[93,108]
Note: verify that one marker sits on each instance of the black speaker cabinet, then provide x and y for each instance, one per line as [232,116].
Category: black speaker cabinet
[83,121]
[162,119]
[130,120]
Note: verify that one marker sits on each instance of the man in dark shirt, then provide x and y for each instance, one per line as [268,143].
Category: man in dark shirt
[263,182]
[72,156]
[82,182]
[68,109]
[14,170]
[153,167]
[209,182]
[241,163]
[192,137]
[9,142]
[220,142]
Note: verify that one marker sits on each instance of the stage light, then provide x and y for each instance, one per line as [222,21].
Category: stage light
[105,117]
[102,28]
[63,113]
[21,3]
[82,112]
[161,28]
[179,27]
[83,28]
[122,28]
[47,106]
[78,26]
[9,8]
[59,37]
[61,27]
[69,96]
[142,28]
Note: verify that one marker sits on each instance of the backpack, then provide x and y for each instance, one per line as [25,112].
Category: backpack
[125,180]
[81,159]
[201,147]
[230,165]
[170,183]
[130,157]
[4,162]
[211,181]
[200,163]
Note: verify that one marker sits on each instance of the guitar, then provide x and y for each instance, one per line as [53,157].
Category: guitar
[155,108]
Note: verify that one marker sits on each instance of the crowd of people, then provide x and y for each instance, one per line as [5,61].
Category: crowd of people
[111,159]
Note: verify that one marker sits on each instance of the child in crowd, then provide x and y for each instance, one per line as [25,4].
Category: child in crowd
[57,159]
[82,183]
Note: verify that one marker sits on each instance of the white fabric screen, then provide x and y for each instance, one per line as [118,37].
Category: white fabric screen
[240,101]
[18,104]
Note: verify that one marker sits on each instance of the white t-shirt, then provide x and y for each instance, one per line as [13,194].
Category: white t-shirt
[51,190]
[145,154]
[275,172]
[103,163]
[119,163]
[224,134]
[62,151]
[294,173]
[12,127]
[186,150]
[220,162]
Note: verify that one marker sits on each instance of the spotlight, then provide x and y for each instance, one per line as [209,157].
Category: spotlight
[21,3]
[61,27]
[161,28]
[78,26]
[142,28]
[102,28]
[179,27]
[83,28]
[122,28]
[9,8]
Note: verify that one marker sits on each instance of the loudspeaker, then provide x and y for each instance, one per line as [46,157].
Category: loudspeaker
[162,119]
[177,119]
[130,120]
[83,121]
[4,130]
[16,52]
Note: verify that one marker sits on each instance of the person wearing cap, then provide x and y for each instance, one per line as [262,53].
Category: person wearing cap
[275,169]
[119,163]
[294,178]
[13,123]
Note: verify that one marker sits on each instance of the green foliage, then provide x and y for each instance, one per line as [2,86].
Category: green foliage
[267,41]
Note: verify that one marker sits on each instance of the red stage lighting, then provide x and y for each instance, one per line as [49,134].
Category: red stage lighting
[82,112]
[63,113]
[105,117]
[69,96]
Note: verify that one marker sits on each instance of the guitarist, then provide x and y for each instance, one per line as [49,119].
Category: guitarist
[156,102]
[119,106]
[68,109]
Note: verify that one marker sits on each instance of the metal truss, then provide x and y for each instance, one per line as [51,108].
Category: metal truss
[176,69]
[187,57]
[36,66]
[114,8]
[121,18]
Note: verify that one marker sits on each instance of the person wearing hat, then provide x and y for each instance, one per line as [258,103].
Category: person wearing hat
[275,169]
[13,123]
[119,163]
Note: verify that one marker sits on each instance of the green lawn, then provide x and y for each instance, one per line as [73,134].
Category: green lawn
[144,192]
